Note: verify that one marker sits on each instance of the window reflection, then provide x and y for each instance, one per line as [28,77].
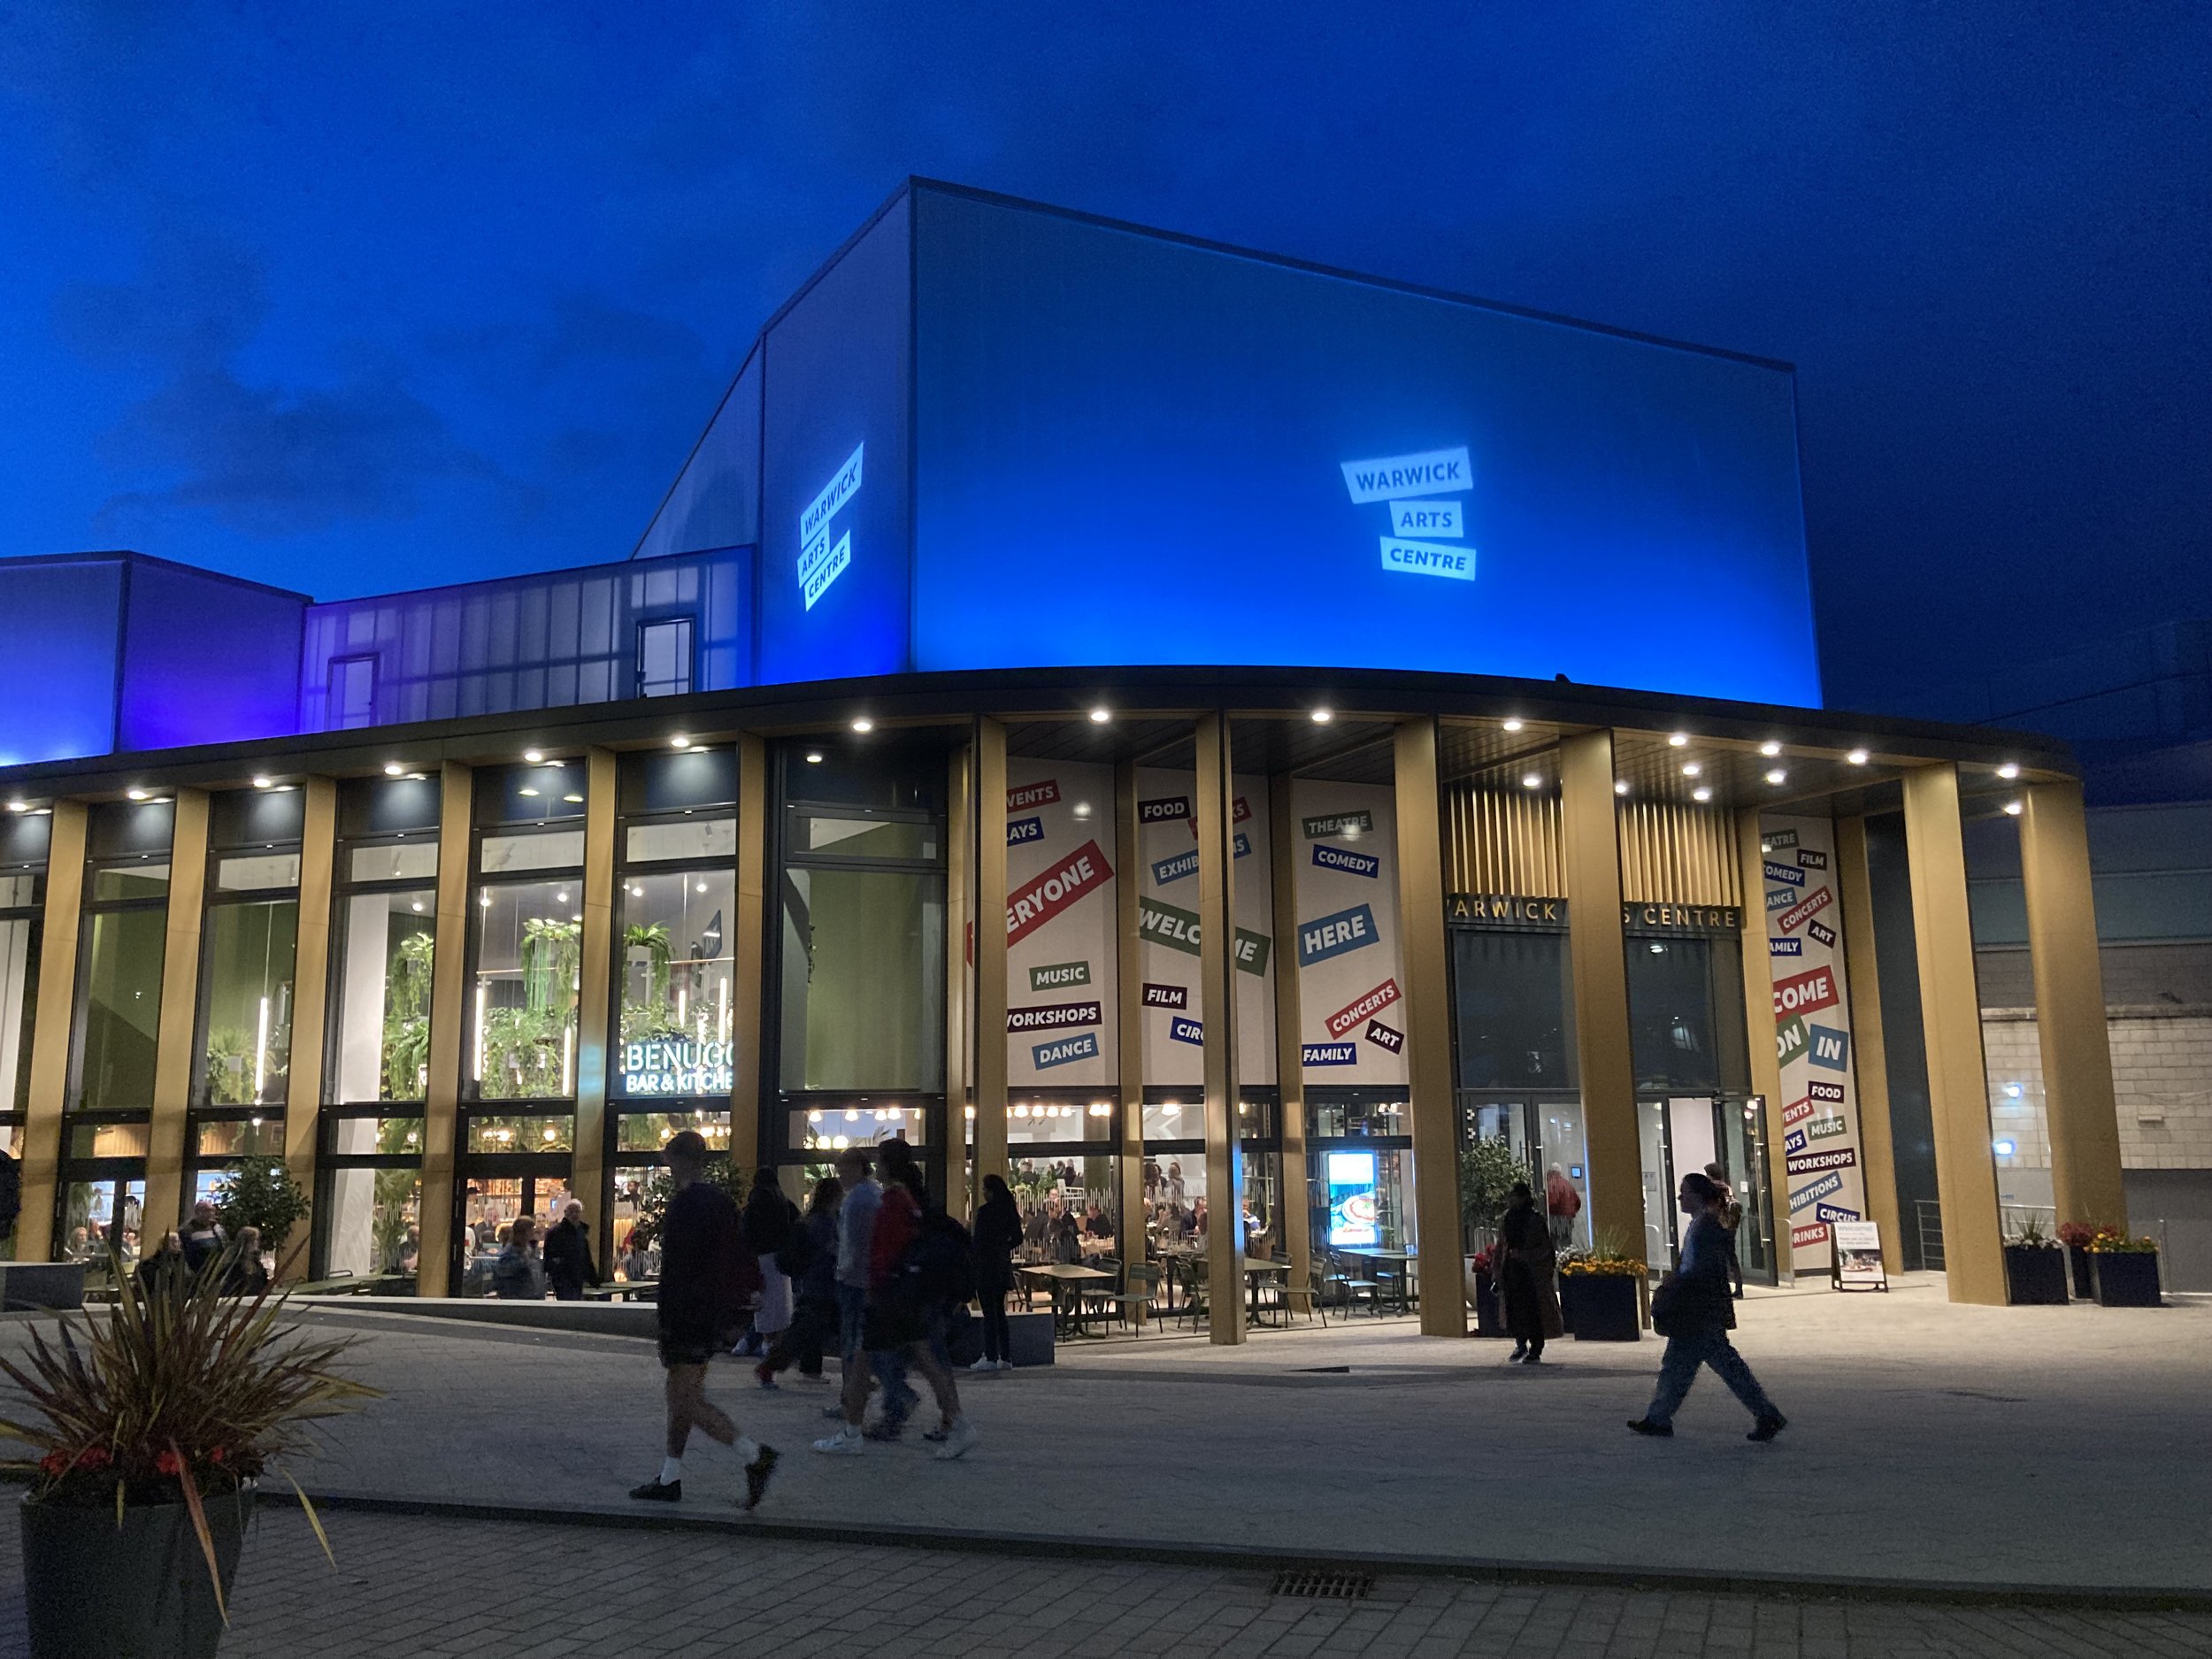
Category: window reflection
[529,953]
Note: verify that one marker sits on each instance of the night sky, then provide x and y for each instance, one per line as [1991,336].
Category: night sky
[356,297]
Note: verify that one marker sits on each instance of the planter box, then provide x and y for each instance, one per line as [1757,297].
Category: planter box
[1029,1339]
[1482,1296]
[1600,1307]
[2077,1267]
[2034,1277]
[2126,1279]
[26,1285]
[92,1590]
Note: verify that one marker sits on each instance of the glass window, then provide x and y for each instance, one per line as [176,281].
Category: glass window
[1032,1121]
[257,1137]
[648,1132]
[663,657]
[863,964]
[255,872]
[1512,1005]
[121,1138]
[121,883]
[708,840]
[19,996]
[372,1221]
[676,964]
[529,943]
[1068,1207]
[99,1216]
[393,1136]
[122,1008]
[1357,1116]
[816,835]
[558,850]
[526,1133]
[248,1049]
[1175,1120]
[400,861]
[382,1051]
[1685,1014]
[834,1127]
[352,691]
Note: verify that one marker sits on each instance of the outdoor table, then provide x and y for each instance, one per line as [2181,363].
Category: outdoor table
[1254,1271]
[1404,1260]
[1066,1282]
[629,1289]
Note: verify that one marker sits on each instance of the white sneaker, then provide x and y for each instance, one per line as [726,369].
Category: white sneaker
[984,1364]
[847,1442]
[959,1442]
[1006,1364]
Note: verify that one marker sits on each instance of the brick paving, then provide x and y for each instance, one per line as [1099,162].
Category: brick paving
[487,1590]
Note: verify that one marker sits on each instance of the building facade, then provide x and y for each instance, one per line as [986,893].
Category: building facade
[1216,741]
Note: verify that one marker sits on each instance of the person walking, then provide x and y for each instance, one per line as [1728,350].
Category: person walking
[1692,1308]
[903,1318]
[247,1276]
[1525,1268]
[809,1260]
[1564,1204]
[1731,1217]
[769,1220]
[204,1237]
[516,1275]
[998,1232]
[706,1278]
[162,1267]
[568,1263]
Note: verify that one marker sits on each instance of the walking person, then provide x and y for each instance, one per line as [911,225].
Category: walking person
[1562,1203]
[705,1281]
[904,1316]
[998,1232]
[769,1220]
[568,1263]
[516,1275]
[1731,1217]
[203,1237]
[1526,1266]
[247,1276]
[809,1260]
[1692,1308]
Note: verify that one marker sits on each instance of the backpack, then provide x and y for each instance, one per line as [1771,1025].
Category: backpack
[938,1267]
[797,1253]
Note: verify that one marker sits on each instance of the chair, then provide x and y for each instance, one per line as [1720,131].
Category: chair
[1197,1290]
[1141,1283]
[1341,1276]
[1308,1294]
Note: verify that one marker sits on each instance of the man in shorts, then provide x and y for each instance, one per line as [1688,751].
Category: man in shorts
[702,1297]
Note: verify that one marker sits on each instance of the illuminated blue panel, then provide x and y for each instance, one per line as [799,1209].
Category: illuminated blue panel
[837,384]
[207,659]
[1133,451]
[715,501]
[62,631]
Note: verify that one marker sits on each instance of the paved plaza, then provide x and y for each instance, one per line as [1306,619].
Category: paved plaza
[1137,1494]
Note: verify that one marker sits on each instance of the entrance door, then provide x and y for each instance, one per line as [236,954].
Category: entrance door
[490,1203]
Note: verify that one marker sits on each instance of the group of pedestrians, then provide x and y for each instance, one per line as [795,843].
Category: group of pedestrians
[526,1271]
[202,1246]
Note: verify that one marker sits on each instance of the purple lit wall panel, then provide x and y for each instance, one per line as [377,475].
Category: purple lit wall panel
[58,650]
[715,501]
[206,660]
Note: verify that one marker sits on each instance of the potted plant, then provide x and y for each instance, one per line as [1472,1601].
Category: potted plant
[2075,1236]
[1482,1293]
[152,1429]
[262,1193]
[1601,1292]
[2035,1269]
[2124,1268]
[1488,1167]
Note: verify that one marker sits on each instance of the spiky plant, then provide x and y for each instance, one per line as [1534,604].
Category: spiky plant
[181,1391]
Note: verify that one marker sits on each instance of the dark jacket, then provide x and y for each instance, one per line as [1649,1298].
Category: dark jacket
[819,1283]
[568,1263]
[998,1232]
[704,1285]
[516,1277]
[1695,1300]
[1525,1267]
[768,1218]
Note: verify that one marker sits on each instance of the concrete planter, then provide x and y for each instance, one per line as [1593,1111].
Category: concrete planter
[2126,1279]
[2035,1276]
[94,1590]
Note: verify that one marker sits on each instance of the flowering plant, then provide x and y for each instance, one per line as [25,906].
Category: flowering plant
[1607,1257]
[1484,1259]
[2115,1241]
[2075,1234]
[182,1390]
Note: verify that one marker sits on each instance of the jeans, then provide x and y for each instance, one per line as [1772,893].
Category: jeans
[1686,1350]
[997,1342]
[852,1306]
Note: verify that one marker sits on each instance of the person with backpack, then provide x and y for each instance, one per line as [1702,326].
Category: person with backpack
[1692,1309]
[769,1219]
[1730,1213]
[920,1266]
[998,1233]
[707,1276]
[809,1261]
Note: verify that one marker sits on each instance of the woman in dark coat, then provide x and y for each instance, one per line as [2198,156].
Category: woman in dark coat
[998,1230]
[1525,1268]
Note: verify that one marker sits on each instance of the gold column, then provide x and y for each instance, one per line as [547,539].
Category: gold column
[1869,1063]
[311,1004]
[1129,1009]
[448,1032]
[1290,1067]
[59,929]
[1428,1018]
[587,1163]
[179,1023]
[960,911]
[1590,847]
[1758,1004]
[1214,811]
[2080,1113]
[750,937]
[990,948]
[1951,1019]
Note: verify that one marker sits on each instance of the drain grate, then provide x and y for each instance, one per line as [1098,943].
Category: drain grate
[1325,1587]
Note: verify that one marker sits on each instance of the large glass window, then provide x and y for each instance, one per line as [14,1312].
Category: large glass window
[864,968]
[246,985]
[368,1209]
[1686,1014]
[22,893]
[525,976]
[118,997]
[677,960]
[386,944]
[1512,1003]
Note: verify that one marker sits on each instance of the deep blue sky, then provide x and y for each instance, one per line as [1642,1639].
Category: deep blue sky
[350,297]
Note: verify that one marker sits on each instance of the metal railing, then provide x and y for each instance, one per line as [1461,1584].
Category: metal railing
[1928,1221]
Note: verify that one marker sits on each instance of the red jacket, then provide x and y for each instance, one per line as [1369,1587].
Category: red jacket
[896,1223]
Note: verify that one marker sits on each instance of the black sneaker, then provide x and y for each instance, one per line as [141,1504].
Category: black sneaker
[1645,1425]
[653,1491]
[1766,1428]
[757,1473]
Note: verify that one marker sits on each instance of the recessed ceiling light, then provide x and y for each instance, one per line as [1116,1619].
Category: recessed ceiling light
[1690,768]
[1857,757]
[573,800]
[138,794]
[1777,776]
[2008,770]
[814,757]
[1677,740]
[527,792]
[1620,786]
[1532,780]
[864,724]
[2012,809]
[392,769]
[679,742]
[263,783]
[1322,716]
[1512,726]
[1099,717]
[1700,793]
[533,755]
[1769,748]
[418,777]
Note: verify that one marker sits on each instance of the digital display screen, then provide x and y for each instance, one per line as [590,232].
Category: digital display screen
[1354,1218]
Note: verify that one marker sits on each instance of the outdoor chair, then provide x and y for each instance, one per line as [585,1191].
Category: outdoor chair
[1306,1297]
[1354,1288]
[1136,1297]
[1197,1290]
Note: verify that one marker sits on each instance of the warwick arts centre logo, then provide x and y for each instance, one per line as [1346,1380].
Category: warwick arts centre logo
[1414,486]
